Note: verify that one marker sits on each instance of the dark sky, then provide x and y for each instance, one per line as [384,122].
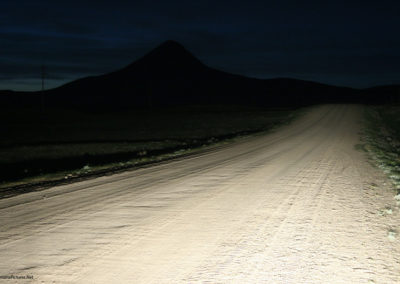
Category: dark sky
[348,43]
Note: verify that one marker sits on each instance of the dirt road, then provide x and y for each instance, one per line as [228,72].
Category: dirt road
[299,205]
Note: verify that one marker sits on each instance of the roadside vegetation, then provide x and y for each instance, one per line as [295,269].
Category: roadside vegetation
[57,146]
[382,141]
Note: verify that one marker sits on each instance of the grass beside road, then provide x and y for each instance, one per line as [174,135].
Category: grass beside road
[382,140]
[63,145]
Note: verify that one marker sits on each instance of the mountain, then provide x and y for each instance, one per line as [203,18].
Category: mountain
[171,75]
[168,75]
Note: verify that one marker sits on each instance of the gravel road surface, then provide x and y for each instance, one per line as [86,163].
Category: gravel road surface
[298,205]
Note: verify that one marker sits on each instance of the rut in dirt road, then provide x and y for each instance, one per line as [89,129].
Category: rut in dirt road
[293,206]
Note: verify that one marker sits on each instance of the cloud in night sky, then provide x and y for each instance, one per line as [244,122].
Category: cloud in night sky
[350,43]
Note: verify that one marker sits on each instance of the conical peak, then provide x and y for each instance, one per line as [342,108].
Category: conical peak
[170,52]
[171,44]
[171,48]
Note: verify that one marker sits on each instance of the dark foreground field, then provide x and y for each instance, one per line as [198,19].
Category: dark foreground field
[63,144]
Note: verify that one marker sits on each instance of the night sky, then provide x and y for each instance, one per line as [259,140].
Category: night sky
[349,43]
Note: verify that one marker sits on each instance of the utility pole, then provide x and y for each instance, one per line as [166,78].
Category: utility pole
[43,75]
[148,88]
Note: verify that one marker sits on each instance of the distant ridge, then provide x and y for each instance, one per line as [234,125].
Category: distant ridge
[171,75]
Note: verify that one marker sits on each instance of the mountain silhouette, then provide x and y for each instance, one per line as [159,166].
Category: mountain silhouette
[167,75]
[171,75]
